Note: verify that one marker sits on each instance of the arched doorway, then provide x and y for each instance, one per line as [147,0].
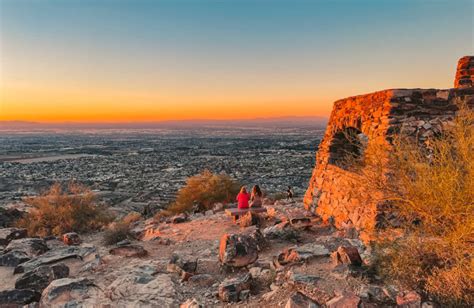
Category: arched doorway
[347,146]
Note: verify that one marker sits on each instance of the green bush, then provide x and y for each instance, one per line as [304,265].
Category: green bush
[203,190]
[59,211]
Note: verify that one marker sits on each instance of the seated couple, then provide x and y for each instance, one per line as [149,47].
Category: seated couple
[244,197]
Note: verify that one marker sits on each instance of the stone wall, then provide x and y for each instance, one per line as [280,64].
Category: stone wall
[372,119]
[465,73]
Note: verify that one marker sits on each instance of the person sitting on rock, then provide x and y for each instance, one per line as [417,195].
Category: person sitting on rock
[243,198]
[256,197]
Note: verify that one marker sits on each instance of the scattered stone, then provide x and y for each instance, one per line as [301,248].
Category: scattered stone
[185,276]
[347,300]
[68,292]
[9,216]
[71,238]
[300,254]
[9,234]
[218,207]
[191,303]
[123,243]
[178,218]
[39,278]
[181,262]
[15,298]
[255,233]
[31,246]
[282,231]
[203,280]
[55,255]
[409,299]
[244,295]
[13,258]
[209,212]
[300,222]
[346,255]
[299,300]
[129,251]
[238,250]
[230,289]
[302,279]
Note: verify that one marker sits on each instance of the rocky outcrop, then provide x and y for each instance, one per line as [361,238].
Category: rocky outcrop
[238,250]
[361,123]
[39,278]
[465,73]
[9,234]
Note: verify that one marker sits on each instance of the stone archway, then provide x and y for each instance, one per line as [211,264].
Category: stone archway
[347,145]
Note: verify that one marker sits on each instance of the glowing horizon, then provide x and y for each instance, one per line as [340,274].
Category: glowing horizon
[145,61]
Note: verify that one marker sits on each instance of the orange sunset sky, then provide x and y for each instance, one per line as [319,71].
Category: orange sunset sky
[123,61]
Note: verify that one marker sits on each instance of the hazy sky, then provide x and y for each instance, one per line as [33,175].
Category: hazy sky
[117,60]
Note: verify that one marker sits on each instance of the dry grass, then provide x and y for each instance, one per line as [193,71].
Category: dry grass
[203,191]
[59,210]
[431,189]
[116,232]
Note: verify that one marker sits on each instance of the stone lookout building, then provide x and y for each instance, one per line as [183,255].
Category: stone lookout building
[372,119]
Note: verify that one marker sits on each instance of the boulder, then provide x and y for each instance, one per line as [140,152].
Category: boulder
[71,238]
[39,278]
[409,299]
[238,250]
[301,280]
[13,258]
[300,254]
[257,235]
[347,300]
[230,289]
[181,262]
[31,246]
[141,286]
[347,255]
[56,255]
[218,207]
[9,234]
[191,303]
[15,298]
[129,251]
[68,292]
[281,231]
[299,300]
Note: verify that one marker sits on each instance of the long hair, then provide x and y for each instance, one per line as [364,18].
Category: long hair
[243,190]
[256,191]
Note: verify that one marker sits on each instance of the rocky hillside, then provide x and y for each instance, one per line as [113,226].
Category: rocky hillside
[285,258]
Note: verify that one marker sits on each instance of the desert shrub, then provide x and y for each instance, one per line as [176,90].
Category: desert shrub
[59,210]
[131,218]
[116,232]
[203,190]
[430,188]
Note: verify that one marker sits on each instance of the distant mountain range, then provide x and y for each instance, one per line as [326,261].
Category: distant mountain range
[283,122]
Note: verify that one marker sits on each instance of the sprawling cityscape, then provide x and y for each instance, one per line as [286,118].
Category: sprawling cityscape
[131,169]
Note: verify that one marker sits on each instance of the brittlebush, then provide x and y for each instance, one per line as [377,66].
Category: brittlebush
[59,210]
[430,187]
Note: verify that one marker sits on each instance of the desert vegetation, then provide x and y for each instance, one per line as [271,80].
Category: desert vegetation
[430,188]
[203,190]
[60,210]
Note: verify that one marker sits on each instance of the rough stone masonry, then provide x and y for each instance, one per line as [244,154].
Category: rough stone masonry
[360,121]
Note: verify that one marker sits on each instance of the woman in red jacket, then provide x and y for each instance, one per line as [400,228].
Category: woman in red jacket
[243,198]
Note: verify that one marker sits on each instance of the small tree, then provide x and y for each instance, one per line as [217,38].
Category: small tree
[58,211]
[203,190]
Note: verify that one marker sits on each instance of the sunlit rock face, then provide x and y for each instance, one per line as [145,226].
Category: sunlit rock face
[465,73]
[358,125]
